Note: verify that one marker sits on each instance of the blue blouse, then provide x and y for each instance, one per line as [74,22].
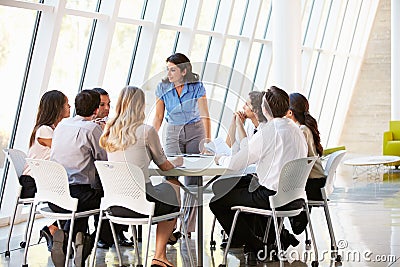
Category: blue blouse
[184,109]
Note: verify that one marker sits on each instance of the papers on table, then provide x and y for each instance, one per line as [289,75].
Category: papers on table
[218,147]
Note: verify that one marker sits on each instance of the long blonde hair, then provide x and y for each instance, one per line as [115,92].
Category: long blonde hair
[119,132]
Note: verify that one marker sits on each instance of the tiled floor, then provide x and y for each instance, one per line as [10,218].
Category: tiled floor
[366,220]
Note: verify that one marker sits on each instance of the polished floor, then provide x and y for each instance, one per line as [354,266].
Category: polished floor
[365,214]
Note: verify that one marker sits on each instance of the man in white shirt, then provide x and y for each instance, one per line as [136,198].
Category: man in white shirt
[76,146]
[274,144]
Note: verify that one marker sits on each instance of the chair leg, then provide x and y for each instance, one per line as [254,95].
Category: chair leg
[98,229]
[116,242]
[312,236]
[148,240]
[278,236]
[7,253]
[23,243]
[334,248]
[212,242]
[187,241]
[136,244]
[30,226]
[265,238]
[69,246]
[225,259]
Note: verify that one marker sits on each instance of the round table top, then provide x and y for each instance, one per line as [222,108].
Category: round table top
[372,160]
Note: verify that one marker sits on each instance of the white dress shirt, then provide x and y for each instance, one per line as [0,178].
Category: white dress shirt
[275,143]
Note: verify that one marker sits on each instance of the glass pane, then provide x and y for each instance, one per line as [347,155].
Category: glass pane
[263,19]
[14,48]
[163,49]
[349,25]
[198,50]
[119,59]
[87,5]
[172,12]
[131,8]
[226,61]
[70,55]
[311,23]
[253,59]
[238,12]
[207,15]
[332,17]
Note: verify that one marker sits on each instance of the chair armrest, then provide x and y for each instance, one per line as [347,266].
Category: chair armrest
[329,151]
[387,136]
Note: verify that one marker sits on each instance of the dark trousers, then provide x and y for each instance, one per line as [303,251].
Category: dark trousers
[88,199]
[313,188]
[244,230]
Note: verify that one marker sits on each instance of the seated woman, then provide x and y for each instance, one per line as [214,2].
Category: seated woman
[127,138]
[299,113]
[52,109]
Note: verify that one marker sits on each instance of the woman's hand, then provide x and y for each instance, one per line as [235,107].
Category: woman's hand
[240,117]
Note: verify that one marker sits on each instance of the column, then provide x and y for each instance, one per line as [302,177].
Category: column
[395,60]
[286,45]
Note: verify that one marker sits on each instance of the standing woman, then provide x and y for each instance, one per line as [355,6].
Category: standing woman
[127,139]
[299,113]
[52,109]
[181,99]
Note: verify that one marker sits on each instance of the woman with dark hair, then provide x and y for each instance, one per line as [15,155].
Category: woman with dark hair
[181,99]
[52,109]
[299,113]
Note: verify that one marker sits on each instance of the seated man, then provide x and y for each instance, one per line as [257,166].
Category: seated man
[244,124]
[274,144]
[76,146]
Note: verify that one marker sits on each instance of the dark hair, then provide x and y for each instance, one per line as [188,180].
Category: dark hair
[86,102]
[300,108]
[99,90]
[256,102]
[182,62]
[50,110]
[278,101]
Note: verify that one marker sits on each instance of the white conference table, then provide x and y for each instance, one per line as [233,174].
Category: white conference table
[199,166]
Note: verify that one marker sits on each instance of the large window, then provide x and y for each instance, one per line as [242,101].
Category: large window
[114,43]
[14,50]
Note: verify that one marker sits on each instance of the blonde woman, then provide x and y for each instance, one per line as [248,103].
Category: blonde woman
[127,138]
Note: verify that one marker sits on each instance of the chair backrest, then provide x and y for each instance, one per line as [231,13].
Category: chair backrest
[330,170]
[292,181]
[395,129]
[52,184]
[17,158]
[124,185]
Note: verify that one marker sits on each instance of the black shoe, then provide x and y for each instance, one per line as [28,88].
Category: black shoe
[233,245]
[59,249]
[288,240]
[45,232]
[82,248]
[102,244]
[174,238]
[299,223]
[123,241]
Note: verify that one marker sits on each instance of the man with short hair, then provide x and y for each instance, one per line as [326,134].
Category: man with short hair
[275,143]
[76,146]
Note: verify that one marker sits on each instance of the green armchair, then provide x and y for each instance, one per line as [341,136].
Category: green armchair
[391,139]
